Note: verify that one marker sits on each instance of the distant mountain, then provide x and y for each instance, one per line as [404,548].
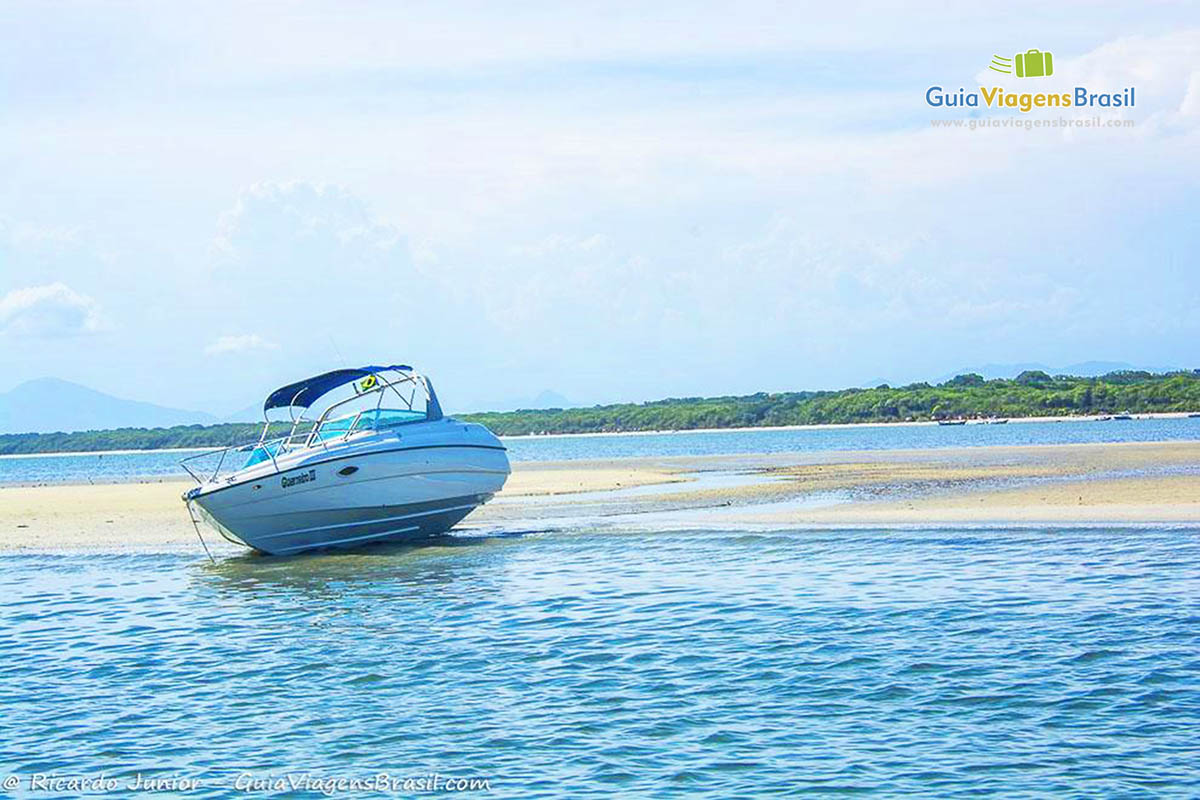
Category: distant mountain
[251,413]
[48,405]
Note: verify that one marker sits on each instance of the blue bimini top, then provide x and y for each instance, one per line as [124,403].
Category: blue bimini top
[303,394]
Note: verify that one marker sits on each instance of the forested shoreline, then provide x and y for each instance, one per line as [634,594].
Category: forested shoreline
[1030,394]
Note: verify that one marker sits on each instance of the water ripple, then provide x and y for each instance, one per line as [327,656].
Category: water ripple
[691,663]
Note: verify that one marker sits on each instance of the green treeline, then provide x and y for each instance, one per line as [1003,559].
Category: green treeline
[1030,394]
[180,436]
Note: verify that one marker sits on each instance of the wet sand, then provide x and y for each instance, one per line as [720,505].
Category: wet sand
[137,515]
[1101,483]
[1173,498]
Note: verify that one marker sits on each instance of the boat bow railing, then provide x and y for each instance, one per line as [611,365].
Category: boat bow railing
[197,465]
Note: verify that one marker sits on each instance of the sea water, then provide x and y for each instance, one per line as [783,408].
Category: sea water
[164,464]
[707,663]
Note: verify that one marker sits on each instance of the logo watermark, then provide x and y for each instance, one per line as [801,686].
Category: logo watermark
[1032,63]
[246,784]
[996,97]
[1023,124]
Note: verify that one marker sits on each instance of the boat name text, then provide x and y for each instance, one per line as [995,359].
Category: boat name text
[303,477]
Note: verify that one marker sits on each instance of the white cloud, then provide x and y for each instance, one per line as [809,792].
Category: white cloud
[243,343]
[24,234]
[267,213]
[480,187]
[1163,68]
[49,311]
[317,250]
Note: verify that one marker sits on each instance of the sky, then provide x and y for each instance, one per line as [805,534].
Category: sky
[617,201]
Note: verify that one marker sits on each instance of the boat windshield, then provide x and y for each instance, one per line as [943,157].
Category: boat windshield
[373,420]
[264,452]
[342,427]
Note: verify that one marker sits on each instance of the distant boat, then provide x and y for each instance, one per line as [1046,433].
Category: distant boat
[1194,416]
[1105,418]
[1122,416]
[997,421]
[951,422]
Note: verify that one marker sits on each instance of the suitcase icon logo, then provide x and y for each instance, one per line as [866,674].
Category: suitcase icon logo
[1030,64]
[1034,64]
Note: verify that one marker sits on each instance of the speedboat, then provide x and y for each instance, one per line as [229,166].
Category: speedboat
[379,462]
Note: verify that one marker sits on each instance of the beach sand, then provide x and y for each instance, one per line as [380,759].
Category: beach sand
[1102,483]
[136,515]
[1173,498]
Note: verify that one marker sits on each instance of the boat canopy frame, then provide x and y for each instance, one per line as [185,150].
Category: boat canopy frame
[304,394]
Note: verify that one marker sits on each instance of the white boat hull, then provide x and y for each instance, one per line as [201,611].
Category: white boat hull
[390,489]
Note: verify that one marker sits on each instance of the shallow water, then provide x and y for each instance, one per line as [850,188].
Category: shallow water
[81,468]
[710,664]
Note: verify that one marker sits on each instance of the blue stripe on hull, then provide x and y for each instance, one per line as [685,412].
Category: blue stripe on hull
[380,524]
